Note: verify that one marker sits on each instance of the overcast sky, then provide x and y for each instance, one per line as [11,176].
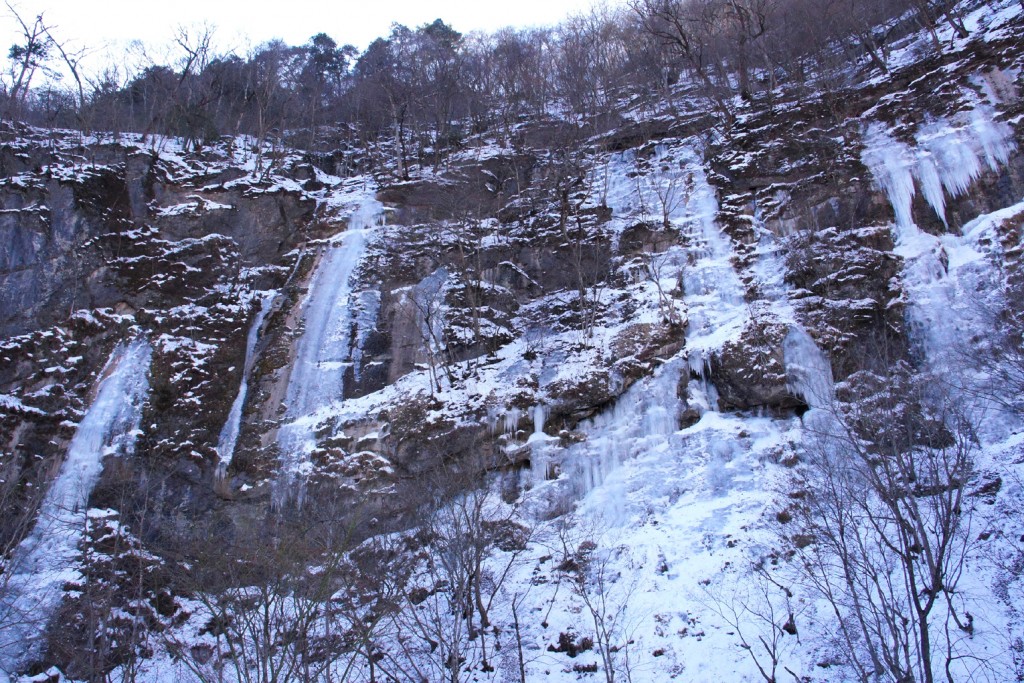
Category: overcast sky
[112,24]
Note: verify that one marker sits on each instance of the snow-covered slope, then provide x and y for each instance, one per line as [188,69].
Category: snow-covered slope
[714,405]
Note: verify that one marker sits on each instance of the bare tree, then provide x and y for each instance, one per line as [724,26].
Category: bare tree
[657,266]
[267,602]
[686,30]
[885,525]
[72,58]
[429,299]
[761,613]
[473,541]
[590,566]
[29,56]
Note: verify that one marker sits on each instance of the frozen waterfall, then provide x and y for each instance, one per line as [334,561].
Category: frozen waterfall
[229,433]
[715,305]
[808,370]
[642,420]
[674,186]
[325,349]
[44,561]
[645,420]
[951,279]
[947,156]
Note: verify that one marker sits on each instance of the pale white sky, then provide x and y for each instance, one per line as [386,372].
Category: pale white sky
[109,25]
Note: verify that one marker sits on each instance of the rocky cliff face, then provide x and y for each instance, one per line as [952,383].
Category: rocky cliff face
[514,310]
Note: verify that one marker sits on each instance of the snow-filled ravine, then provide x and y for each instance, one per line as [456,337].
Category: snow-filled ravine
[329,340]
[44,561]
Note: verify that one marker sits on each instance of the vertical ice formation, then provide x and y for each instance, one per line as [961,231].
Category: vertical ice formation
[714,296]
[646,416]
[892,164]
[808,371]
[947,278]
[540,415]
[642,419]
[229,433]
[647,192]
[947,157]
[44,561]
[511,420]
[324,351]
[616,183]
[541,446]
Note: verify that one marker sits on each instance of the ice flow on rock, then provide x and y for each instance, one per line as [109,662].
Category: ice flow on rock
[324,351]
[44,561]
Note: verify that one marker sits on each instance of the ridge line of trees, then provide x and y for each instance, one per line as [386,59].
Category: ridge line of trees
[424,90]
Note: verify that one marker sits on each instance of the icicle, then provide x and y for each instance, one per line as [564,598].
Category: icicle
[808,371]
[946,278]
[945,162]
[539,416]
[492,420]
[511,421]
[996,138]
[891,163]
[699,363]
[932,185]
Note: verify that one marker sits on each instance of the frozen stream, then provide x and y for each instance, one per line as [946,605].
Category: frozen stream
[45,559]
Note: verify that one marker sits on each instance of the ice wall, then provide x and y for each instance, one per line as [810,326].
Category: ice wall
[947,157]
[714,296]
[808,370]
[44,561]
[645,418]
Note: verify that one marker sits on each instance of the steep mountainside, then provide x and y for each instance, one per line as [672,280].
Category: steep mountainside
[680,400]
